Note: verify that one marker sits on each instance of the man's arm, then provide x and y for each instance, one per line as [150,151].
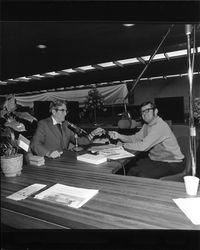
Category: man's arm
[154,137]
[87,139]
[127,138]
[37,143]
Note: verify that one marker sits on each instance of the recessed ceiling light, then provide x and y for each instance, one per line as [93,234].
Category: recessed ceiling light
[128,24]
[41,46]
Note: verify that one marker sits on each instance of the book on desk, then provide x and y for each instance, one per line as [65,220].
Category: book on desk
[91,158]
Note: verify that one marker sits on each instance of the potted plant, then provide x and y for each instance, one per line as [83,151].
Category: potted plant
[94,103]
[11,126]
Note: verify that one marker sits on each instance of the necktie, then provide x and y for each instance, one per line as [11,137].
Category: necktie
[59,127]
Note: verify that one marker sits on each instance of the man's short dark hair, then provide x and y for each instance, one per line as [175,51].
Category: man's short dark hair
[147,103]
[55,104]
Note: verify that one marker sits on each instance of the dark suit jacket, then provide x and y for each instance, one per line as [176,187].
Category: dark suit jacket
[48,137]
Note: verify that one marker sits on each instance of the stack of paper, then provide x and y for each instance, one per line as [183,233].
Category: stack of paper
[67,195]
[94,159]
[36,160]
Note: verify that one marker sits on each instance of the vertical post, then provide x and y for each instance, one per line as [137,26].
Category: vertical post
[95,114]
[192,138]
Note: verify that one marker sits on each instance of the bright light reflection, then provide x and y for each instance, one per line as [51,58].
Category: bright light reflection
[38,75]
[53,73]
[69,70]
[159,56]
[177,53]
[108,64]
[145,58]
[89,67]
[127,61]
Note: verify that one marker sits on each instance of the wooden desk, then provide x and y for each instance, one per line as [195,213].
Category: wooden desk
[68,160]
[123,202]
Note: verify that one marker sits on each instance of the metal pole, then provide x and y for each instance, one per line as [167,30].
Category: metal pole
[150,59]
[192,138]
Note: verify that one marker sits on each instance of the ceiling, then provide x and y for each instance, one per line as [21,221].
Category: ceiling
[76,44]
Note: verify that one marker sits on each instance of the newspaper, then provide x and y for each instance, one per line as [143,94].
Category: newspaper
[67,195]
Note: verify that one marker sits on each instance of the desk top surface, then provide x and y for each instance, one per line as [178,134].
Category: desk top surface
[123,202]
[69,160]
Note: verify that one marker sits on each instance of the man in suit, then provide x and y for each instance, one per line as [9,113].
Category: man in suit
[52,135]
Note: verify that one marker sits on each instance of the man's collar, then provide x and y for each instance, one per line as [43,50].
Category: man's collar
[54,121]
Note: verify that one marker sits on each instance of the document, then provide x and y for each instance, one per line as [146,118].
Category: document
[190,207]
[67,195]
[115,153]
[23,142]
[26,192]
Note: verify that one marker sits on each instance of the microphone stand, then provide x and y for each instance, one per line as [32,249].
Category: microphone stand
[192,138]
[76,148]
[77,131]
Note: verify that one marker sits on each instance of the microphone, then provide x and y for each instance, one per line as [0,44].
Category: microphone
[76,128]
[188,29]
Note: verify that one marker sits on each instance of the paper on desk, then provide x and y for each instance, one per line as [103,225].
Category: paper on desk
[190,207]
[25,192]
[67,195]
[116,153]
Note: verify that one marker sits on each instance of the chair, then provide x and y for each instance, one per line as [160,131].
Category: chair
[182,135]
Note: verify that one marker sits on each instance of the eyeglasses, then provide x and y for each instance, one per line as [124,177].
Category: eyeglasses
[62,110]
[146,111]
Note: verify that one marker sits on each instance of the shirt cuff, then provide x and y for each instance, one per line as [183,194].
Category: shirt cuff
[90,137]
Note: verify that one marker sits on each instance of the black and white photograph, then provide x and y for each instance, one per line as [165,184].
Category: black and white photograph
[107,108]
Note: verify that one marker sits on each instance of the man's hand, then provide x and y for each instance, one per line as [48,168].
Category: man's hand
[54,154]
[98,131]
[114,135]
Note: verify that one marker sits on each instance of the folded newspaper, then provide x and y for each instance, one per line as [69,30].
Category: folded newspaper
[67,195]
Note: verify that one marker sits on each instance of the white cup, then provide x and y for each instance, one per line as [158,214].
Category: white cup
[191,184]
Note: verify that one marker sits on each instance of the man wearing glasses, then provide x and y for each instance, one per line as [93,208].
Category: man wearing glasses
[155,138]
[53,135]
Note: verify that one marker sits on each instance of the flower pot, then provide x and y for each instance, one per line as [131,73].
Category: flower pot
[12,166]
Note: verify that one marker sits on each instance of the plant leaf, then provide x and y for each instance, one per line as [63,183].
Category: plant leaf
[17,126]
[26,116]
